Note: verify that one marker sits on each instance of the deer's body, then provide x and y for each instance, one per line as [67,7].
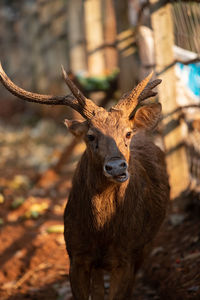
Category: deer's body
[110,226]
[120,189]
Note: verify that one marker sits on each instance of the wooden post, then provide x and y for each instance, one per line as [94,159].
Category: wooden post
[164,40]
[125,47]
[76,38]
[77,54]
[94,37]
[110,35]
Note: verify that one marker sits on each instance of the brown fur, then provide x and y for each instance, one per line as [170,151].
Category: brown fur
[109,225]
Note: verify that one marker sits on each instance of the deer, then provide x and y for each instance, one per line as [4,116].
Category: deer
[120,188]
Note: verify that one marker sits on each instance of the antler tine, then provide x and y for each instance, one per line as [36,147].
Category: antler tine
[89,108]
[68,100]
[75,91]
[130,100]
[147,92]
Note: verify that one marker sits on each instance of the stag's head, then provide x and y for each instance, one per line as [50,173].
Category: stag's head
[107,133]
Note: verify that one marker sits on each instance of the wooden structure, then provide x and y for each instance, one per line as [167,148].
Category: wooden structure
[173,140]
[94,37]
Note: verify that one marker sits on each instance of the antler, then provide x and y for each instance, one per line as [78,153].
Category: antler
[88,107]
[85,107]
[78,101]
[141,92]
[147,92]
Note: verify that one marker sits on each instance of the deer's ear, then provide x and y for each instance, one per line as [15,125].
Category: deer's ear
[77,128]
[147,117]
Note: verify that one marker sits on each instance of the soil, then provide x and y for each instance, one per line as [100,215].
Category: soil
[33,260]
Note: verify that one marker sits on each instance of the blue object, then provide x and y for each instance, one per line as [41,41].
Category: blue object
[191,77]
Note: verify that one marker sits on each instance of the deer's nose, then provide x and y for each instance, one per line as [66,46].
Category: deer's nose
[115,167]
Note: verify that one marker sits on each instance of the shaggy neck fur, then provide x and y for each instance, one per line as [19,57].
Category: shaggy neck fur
[105,196]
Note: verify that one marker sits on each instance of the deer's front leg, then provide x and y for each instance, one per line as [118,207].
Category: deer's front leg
[79,274]
[121,282]
[97,287]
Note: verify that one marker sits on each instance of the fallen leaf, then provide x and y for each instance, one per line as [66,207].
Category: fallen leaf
[17,202]
[39,207]
[35,214]
[55,229]
[2,198]
[20,181]
[8,285]
[36,210]
[48,179]
[12,217]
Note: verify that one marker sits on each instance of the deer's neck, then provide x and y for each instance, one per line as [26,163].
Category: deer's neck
[105,196]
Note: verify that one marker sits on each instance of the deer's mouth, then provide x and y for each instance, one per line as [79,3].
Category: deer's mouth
[121,177]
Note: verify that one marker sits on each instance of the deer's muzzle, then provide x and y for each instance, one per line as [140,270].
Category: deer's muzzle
[116,169]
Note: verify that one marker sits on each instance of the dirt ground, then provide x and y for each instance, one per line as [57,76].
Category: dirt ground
[33,260]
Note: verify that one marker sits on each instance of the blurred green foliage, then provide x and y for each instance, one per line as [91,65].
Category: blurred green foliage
[97,83]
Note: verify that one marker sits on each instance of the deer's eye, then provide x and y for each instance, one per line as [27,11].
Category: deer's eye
[90,137]
[128,135]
